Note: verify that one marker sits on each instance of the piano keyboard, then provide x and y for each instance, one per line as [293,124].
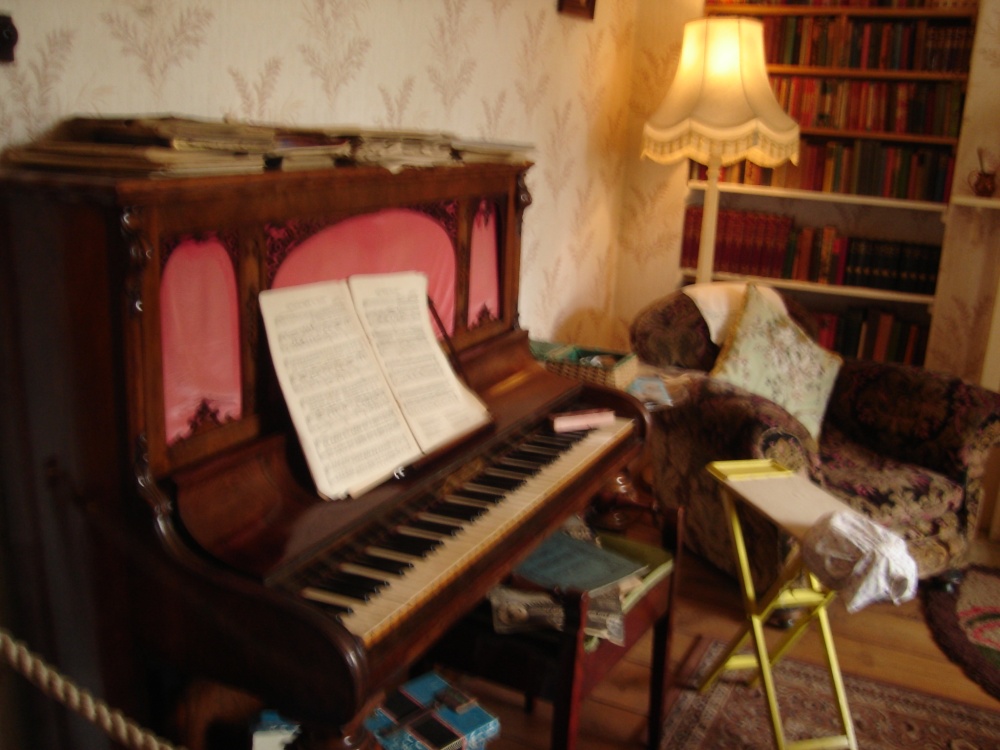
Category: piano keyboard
[376,589]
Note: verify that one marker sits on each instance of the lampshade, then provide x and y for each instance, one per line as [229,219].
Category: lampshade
[720,102]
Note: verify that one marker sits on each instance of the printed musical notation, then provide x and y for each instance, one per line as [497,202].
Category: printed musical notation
[367,385]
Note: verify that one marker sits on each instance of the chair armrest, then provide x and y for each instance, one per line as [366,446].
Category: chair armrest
[935,420]
[725,422]
[713,420]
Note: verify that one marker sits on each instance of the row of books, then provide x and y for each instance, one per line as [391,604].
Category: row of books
[873,168]
[843,42]
[874,333]
[855,167]
[758,243]
[875,106]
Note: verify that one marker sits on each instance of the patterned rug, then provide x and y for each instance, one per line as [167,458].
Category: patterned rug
[966,625]
[732,716]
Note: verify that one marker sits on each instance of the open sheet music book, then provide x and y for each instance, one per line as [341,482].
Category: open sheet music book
[367,384]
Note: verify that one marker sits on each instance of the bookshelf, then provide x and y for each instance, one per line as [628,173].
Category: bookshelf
[878,93]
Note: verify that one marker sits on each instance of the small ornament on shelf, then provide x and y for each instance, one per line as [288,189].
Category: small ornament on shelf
[984,181]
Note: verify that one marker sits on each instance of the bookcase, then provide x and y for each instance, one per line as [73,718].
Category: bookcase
[855,229]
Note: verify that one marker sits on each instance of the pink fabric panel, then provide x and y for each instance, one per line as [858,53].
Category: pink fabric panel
[381,242]
[200,328]
[484,283]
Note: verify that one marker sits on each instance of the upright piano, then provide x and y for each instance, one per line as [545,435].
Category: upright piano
[139,351]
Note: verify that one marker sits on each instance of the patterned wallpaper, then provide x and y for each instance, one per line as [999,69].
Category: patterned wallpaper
[504,70]
[602,237]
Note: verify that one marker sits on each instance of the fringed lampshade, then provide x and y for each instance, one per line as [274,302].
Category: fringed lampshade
[720,110]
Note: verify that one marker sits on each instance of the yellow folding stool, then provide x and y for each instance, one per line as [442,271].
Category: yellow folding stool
[795,504]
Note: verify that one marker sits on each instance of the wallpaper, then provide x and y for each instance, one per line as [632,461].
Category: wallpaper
[502,70]
[602,237]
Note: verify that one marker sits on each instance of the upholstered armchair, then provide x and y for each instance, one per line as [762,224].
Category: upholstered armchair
[902,445]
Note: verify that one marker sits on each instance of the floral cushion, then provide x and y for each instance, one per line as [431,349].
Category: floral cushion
[769,355]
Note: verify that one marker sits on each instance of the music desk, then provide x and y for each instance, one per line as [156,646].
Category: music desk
[794,503]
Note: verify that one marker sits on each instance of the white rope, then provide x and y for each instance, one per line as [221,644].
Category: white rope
[62,689]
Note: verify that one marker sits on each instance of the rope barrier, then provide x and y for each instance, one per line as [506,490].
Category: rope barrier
[47,679]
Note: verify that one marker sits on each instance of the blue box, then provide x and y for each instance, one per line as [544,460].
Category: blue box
[427,713]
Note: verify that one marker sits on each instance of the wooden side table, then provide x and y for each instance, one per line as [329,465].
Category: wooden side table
[796,504]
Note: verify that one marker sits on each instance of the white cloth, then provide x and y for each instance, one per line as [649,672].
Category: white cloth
[862,561]
[721,301]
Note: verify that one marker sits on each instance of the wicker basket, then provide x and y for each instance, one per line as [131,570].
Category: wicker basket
[600,366]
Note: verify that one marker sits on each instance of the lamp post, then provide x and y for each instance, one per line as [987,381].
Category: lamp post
[720,110]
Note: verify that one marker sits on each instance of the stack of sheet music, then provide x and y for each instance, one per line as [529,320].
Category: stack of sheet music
[181,146]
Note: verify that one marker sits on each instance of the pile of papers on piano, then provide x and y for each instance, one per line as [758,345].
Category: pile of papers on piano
[426,713]
[172,146]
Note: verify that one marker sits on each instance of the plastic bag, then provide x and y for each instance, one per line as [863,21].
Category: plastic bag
[861,560]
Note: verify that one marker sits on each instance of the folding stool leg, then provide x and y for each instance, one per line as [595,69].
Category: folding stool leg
[814,601]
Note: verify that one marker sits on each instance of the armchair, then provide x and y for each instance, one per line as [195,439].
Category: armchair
[903,445]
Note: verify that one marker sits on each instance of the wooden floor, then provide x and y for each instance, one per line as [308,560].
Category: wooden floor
[882,641]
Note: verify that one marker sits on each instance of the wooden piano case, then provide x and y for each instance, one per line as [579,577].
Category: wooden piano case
[143,389]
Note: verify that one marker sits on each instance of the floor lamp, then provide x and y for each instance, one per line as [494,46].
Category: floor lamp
[720,110]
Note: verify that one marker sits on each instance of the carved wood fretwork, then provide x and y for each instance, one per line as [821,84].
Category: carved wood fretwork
[229,240]
[284,238]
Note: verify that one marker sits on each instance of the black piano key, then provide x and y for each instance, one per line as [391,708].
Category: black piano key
[333,609]
[513,471]
[372,560]
[456,510]
[556,439]
[533,465]
[408,529]
[409,545]
[547,453]
[433,527]
[344,589]
[356,579]
[478,498]
[490,480]
[522,455]
[381,549]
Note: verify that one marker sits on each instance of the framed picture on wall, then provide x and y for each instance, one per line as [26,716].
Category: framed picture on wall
[582,8]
